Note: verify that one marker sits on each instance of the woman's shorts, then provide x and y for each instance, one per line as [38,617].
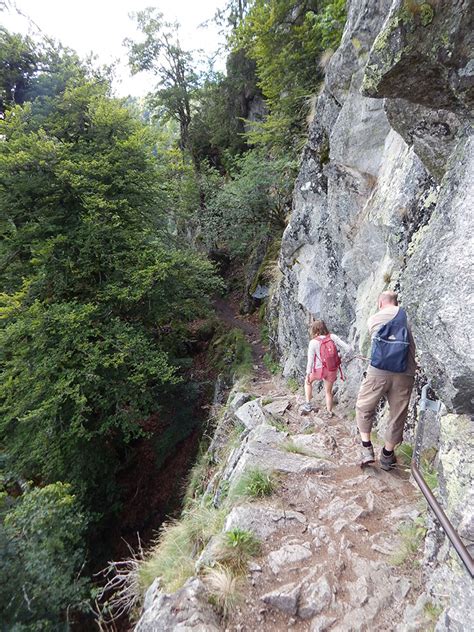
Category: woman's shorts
[323,374]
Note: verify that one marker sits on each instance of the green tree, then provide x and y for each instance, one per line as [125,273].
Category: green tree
[255,200]
[162,53]
[220,108]
[98,290]
[286,39]
[18,63]
[41,557]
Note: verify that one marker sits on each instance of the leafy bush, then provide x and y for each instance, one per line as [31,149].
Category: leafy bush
[272,365]
[293,384]
[253,200]
[42,557]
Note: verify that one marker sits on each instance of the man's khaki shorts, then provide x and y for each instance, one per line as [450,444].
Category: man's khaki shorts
[396,388]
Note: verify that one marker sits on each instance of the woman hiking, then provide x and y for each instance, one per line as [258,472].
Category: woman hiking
[324,362]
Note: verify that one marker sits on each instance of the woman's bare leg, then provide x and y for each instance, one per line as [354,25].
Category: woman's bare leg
[329,396]
[308,391]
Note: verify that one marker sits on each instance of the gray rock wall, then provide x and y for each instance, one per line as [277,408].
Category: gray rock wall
[385,200]
[385,193]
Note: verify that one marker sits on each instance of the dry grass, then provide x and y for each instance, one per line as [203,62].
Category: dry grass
[325,58]
[224,588]
[122,592]
[179,544]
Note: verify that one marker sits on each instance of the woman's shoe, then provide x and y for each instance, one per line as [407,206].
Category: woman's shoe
[306,408]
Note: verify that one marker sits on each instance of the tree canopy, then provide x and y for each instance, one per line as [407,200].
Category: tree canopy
[98,288]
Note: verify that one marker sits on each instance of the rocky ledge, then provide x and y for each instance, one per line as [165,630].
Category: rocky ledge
[339,547]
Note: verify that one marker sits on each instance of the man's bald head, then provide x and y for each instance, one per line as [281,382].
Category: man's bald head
[388,298]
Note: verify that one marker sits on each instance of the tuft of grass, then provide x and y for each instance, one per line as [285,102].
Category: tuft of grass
[351,414]
[223,491]
[404,453]
[432,611]
[267,400]
[293,385]
[278,423]
[291,446]
[198,477]
[179,543]
[235,435]
[272,365]
[429,474]
[237,546]
[254,483]
[412,535]
[324,60]
[224,588]
[232,353]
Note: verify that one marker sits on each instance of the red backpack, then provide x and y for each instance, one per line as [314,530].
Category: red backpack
[329,355]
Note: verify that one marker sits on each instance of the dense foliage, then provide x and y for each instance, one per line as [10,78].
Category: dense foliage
[97,292]
[256,199]
[286,38]
[42,551]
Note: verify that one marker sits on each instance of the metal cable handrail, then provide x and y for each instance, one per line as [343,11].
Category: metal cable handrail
[453,535]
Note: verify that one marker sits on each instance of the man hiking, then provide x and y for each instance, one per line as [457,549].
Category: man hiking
[391,374]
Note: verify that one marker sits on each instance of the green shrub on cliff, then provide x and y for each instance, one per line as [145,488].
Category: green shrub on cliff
[253,201]
[286,39]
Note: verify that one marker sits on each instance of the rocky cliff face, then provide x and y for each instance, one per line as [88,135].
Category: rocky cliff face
[384,200]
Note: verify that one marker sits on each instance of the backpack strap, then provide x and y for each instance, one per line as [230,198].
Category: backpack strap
[401,316]
[320,339]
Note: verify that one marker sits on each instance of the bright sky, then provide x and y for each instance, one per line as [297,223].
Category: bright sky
[101,26]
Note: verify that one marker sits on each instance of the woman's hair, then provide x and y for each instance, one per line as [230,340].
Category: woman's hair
[318,328]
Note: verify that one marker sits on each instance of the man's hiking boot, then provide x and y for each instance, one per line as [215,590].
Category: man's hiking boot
[387,462]
[367,455]
[306,408]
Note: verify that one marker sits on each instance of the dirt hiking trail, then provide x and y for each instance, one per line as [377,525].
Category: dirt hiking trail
[326,561]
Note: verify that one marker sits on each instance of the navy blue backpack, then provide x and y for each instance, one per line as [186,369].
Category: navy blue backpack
[390,345]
